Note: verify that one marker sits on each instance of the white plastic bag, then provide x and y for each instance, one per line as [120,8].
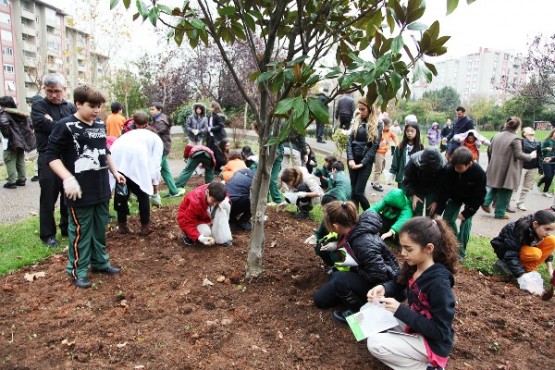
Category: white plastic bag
[532,282]
[220,224]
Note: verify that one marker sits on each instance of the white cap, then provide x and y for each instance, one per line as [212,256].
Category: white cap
[411,118]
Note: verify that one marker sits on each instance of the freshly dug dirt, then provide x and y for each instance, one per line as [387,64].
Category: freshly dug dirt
[158,313]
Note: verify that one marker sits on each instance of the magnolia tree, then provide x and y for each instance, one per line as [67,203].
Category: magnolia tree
[376,45]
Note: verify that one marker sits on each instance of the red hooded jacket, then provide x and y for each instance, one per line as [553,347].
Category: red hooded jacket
[190,150]
[193,211]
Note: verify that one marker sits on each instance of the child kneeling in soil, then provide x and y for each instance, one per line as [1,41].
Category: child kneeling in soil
[523,245]
[366,263]
[204,215]
[429,249]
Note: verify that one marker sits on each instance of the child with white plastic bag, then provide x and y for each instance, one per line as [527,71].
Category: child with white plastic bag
[204,215]
[523,245]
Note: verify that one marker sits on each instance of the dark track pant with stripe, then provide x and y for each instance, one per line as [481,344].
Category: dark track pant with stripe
[87,239]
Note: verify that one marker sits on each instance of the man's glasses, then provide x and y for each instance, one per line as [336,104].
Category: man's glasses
[52,92]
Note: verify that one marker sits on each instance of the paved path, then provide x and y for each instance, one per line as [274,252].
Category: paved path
[23,202]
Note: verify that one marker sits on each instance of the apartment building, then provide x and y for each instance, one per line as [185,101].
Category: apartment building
[490,73]
[38,38]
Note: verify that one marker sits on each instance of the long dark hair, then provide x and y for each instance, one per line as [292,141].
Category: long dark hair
[417,141]
[523,224]
[423,230]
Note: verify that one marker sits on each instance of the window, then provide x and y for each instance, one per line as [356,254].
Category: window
[29,54]
[27,5]
[8,68]
[5,18]
[10,85]
[7,51]
[52,45]
[6,35]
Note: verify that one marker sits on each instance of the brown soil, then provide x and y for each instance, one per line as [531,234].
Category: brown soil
[157,313]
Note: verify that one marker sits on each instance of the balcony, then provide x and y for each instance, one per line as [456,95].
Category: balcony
[28,46]
[28,14]
[29,61]
[29,30]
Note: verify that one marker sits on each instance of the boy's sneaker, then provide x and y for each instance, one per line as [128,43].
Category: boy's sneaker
[10,185]
[229,243]
[502,266]
[82,283]
[547,195]
[187,241]
[521,207]
[377,187]
[20,182]
[35,178]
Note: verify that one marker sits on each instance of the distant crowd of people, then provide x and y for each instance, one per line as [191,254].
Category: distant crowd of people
[439,189]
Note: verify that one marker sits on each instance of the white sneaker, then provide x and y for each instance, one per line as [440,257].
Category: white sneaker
[547,195]
[521,207]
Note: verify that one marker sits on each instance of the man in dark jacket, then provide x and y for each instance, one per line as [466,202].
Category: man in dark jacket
[162,125]
[423,175]
[16,129]
[45,113]
[462,124]
[464,182]
[532,167]
[344,111]
[320,126]
[239,191]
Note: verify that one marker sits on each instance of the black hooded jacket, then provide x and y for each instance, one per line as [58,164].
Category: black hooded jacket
[430,307]
[376,263]
[509,241]
[424,172]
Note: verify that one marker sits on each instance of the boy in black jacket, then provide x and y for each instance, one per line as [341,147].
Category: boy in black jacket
[80,140]
[464,183]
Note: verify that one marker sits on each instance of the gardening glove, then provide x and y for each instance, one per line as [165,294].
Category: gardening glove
[311,240]
[195,132]
[156,200]
[301,194]
[206,240]
[72,188]
[330,247]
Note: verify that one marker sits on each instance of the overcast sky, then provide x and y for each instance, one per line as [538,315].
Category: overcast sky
[497,24]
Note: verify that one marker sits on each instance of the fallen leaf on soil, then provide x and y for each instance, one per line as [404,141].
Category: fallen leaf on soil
[68,343]
[255,347]
[140,339]
[139,367]
[121,345]
[279,335]
[123,303]
[207,282]
[221,279]
[226,321]
[34,275]
[7,288]
[273,245]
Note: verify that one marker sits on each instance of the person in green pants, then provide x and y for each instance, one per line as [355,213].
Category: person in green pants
[464,184]
[195,155]
[161,123]
[275,194]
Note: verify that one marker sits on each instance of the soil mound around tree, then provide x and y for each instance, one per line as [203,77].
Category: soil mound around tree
[189,308]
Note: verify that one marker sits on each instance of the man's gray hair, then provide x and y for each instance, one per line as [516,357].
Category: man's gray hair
[53,79]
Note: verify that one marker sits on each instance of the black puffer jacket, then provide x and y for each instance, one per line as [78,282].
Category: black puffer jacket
[509,241]
[16,127]
[376,263]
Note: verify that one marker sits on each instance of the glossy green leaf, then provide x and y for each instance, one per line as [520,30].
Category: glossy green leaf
[284,106]
[298,107]
[164,9]
[153,16]
[397,44]
[226,10]
[265,76]
[417,26]
[431,67]
[126,3]
[197,23]
[452,5]
[113,4]
[318,110]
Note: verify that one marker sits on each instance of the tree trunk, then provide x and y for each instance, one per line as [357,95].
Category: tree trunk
[259,193]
